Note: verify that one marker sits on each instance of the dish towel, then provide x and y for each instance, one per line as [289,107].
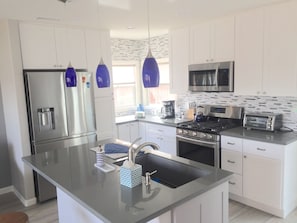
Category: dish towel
[115,148]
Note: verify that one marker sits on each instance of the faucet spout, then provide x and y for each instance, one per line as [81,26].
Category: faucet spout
[131,151]
[137,150]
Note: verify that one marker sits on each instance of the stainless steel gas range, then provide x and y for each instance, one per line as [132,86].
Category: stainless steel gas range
[199,140]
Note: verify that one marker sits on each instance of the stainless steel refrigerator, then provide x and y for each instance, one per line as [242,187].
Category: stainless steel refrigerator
[58,116]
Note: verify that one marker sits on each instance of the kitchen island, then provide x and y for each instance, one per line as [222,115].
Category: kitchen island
[87,194]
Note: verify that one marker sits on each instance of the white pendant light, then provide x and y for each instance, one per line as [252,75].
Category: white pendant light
[150,69]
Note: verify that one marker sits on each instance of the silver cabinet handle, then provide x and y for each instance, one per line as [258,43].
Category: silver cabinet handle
[231,143]
[232,183]
[230,161]
[259,149]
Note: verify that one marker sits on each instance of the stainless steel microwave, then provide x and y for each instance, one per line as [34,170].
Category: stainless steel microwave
[212,77]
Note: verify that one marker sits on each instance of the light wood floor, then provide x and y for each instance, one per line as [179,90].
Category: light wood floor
[47,212]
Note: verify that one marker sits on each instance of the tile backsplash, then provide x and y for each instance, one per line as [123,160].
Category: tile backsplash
[284,105]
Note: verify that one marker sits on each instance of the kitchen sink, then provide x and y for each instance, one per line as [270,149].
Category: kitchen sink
[169,172]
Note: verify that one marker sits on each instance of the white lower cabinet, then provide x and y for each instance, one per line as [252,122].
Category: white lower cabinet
[262,180]
[263,174]
[207,208]
[128,131]
[164,136]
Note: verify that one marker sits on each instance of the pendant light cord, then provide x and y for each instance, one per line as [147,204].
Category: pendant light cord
[148,24]
[98,18]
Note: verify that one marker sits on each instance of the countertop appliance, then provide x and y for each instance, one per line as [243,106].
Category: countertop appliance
[262,121]
[58,116]
[212,77]
[200,140]
[168,109]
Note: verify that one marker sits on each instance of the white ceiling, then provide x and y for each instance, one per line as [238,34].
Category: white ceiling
[117,15]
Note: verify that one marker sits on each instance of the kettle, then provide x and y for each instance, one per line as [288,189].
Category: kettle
[199,117]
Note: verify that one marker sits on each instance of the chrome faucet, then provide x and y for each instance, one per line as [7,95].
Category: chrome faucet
[134,151]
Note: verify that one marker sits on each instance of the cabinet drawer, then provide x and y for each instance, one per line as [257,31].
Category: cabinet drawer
[231,143]
[160,129]
[235,184]
[232,161]
[269,150]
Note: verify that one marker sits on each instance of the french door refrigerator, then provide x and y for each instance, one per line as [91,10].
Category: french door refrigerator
[58,116]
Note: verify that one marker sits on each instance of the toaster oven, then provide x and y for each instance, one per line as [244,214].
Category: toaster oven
[262,121]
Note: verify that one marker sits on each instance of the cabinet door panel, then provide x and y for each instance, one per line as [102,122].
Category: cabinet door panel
[105,123]
[280,50]
[179,60]
[71,47]
[249,52]
[38,46]
[223,45]
[262,180]
[134,131]
[201,40]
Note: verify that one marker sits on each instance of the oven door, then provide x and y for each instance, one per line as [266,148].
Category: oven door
[198,150]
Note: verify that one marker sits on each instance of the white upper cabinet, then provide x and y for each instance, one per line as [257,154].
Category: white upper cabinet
[212,41]
[71,47]
[179,60]
[38,46]
[249,53]
[280,49]
[97,46]
[266,51]
[48,47]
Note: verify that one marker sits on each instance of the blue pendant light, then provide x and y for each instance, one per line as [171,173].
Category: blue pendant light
[150,70]
[70,76]
[102,75]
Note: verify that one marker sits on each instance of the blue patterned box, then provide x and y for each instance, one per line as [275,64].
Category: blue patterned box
[131,177]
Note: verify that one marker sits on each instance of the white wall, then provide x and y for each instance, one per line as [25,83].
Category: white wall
[14,106]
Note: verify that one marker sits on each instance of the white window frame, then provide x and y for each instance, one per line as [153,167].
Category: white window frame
[137,81]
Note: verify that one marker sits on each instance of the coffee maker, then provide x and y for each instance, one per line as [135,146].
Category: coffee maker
[167,110]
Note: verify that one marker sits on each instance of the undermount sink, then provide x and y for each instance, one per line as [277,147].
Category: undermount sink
[169,172]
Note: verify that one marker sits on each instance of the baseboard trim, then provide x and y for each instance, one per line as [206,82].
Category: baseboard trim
[5,190]
[26,202]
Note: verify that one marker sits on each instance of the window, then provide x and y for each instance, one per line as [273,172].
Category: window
[129,90]
[124,84]
[157,95]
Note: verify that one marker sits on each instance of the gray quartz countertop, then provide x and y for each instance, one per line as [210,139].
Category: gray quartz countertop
[151,119]
[73,171]
[282,138]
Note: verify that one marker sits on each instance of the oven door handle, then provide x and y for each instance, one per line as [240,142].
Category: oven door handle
[197,141]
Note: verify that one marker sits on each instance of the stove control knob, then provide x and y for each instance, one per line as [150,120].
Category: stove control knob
[203,135]
[185,132]
[179,131]
[194,134]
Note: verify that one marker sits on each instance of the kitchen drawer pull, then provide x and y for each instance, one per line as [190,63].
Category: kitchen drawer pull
[232,183]
[231,143]
[230,161]
[263,150]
